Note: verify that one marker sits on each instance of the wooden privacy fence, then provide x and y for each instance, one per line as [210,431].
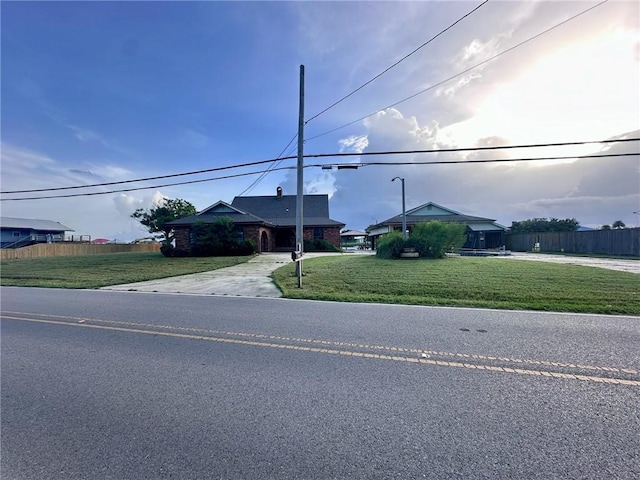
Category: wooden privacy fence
[625,241]
[66,249]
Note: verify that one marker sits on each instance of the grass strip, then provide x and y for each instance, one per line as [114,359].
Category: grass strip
[94,271]
[465,282]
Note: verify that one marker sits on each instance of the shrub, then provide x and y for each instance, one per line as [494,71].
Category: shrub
[390,245]
[169,250]
[248,247]
[433,239]
[430,239]
[319,245]
[219,238]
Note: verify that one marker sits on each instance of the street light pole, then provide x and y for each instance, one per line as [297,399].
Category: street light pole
[404,211]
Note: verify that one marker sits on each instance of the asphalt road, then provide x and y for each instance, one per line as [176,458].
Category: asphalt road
[121,385]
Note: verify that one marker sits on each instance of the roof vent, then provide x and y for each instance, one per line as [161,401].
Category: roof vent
[279,192]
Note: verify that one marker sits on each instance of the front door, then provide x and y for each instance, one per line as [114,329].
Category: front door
[285,239]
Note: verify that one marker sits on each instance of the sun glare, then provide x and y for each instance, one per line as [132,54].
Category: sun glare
[585,91]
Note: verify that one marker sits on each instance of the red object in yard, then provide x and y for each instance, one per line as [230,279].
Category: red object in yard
[100,241]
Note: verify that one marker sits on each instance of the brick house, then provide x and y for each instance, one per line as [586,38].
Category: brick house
[270,221]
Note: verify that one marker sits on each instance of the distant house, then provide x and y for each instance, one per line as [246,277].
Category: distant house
[20,232]
[270,221]
[481,232]
[350,237]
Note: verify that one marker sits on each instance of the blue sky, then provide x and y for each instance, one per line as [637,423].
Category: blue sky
[98,92]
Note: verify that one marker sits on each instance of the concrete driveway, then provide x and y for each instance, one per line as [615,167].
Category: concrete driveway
[251,279]
[619,264]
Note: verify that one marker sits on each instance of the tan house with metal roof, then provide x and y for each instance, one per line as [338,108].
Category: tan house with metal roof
[481,232]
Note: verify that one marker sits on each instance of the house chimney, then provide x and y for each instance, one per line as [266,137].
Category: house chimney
[279,192]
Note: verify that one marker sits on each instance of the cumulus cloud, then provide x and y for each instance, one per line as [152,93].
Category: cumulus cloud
[591,190]
[353,143]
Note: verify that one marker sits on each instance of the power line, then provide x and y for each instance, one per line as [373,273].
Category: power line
[327,155]
[277,161]
[496,160]
[469,149]
[460,73]
[89,194]
[320,165]
[159,177]
[395,64]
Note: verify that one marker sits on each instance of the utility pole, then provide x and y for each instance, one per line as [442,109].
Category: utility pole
[300,191]
[404,210]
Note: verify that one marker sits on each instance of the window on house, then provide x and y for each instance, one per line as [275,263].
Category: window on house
[318,233]
[16,234]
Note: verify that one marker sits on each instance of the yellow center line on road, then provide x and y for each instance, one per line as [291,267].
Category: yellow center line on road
[418,351]
[329,351]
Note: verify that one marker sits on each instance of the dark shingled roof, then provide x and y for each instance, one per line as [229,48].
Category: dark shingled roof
[281,211]
[266,210]
[238,218]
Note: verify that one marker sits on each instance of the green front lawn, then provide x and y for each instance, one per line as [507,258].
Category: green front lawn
[471,282]
[94,271]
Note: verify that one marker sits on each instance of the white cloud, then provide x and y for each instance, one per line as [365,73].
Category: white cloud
[565,96]
[592,190]
[193,138]
[99,216]
[86,135]
[353,143]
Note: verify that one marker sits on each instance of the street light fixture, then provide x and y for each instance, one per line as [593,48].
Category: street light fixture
[404,212]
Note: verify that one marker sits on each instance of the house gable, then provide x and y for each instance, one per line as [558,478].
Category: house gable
[432,210]
[220,207]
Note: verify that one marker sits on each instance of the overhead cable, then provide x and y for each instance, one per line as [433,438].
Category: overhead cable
[325,155]
[320,165]
[275,163]
[159,177]
[458,74]
[395,64]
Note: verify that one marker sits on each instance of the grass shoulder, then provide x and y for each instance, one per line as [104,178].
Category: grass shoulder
[94,271]
[467,282]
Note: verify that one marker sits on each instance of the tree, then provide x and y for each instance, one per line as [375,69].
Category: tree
[534,225]
[618,224]
[157,218]
[605,227]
